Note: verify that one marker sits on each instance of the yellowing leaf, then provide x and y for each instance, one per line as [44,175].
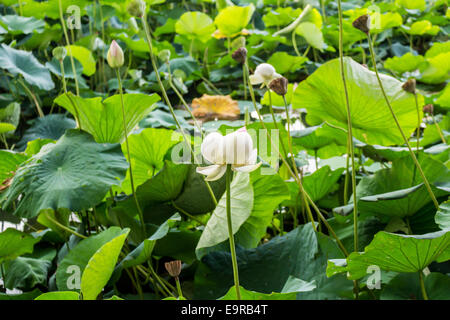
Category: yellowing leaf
[211,107]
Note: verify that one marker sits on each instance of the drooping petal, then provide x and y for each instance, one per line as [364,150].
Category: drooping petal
[256,79]
[247,169]
[212,173]
[238,146]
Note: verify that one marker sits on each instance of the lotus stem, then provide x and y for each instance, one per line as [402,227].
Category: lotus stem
[422,286]
[413,156]
[229,175]
[438,129]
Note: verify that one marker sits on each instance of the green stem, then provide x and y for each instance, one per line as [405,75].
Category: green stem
[422,286]
[349,125]
[439,129]
[33,97]
[275,123]
[231,235]
[294,44]
[413,156]
[66,36]
[419,121]
[166,98]
[180,293]
[125,131]
[64,227]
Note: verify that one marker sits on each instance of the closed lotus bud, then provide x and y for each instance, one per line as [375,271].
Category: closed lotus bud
[59,53]
[279,86]
[410,86]
[137,8]
[362,23]
[164,55]
[240,55]
[115,55]
[173,268]
[429,108]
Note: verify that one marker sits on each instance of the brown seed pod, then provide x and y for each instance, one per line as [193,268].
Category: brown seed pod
[410,86]
[173,268]
[429,108]
[240,55]
[279,86]
[362,23]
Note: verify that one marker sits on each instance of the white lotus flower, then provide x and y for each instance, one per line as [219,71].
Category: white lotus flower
[264,73]
[235,148]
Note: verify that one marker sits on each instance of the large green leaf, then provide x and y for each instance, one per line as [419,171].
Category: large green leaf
[195,25]
[21,25]
[85,57]
[407,62]
[75,173]
[147,151]
[79,256]
[24,63]
[101,266]
[283,63]
[312,34]
[302,254]
[398,191]
[231,20]
[395,252]
[216,231]
[14,243]
[9,162]
[104,119]
[322,95]
[59,295]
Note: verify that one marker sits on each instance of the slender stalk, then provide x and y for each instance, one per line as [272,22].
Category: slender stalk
[413,156]
[33,97]
[64,227]
[66,36]
[422,286]
[166,97]
[231,235]
[419,121]
[275,122]
[125,131]
[63,75]
[294,44]
[20,8]
[180,292]
[438,129]
[349,125]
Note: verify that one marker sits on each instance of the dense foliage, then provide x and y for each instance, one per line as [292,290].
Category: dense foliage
[100,199]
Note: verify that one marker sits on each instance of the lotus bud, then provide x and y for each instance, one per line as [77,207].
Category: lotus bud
[362,23]
[137,8]
[59,53]
[429,108]
[410,86]
[173,268]
[279,86]
[240,55]
[164,55]
[115,55]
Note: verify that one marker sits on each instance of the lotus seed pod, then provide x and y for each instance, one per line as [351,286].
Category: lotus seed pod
[240,55]
[429,108]
[59,53]
[279,86]
[362,23]
[410,86]
[173,268]
[115,55]
[137,8]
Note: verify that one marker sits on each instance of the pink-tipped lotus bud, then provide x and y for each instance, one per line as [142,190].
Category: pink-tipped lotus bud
[362,23]
[410,86]
[279,86]
[429,108]
[173,268]
[115,55]
[240,55]
[137,8]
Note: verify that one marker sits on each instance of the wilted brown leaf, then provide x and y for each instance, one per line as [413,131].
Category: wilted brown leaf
[209,108]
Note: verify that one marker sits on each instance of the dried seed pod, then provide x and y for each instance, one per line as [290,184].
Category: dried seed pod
[410,86]
[173,268]
[240,55]
[362,23]
[279,86]
[429,108]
